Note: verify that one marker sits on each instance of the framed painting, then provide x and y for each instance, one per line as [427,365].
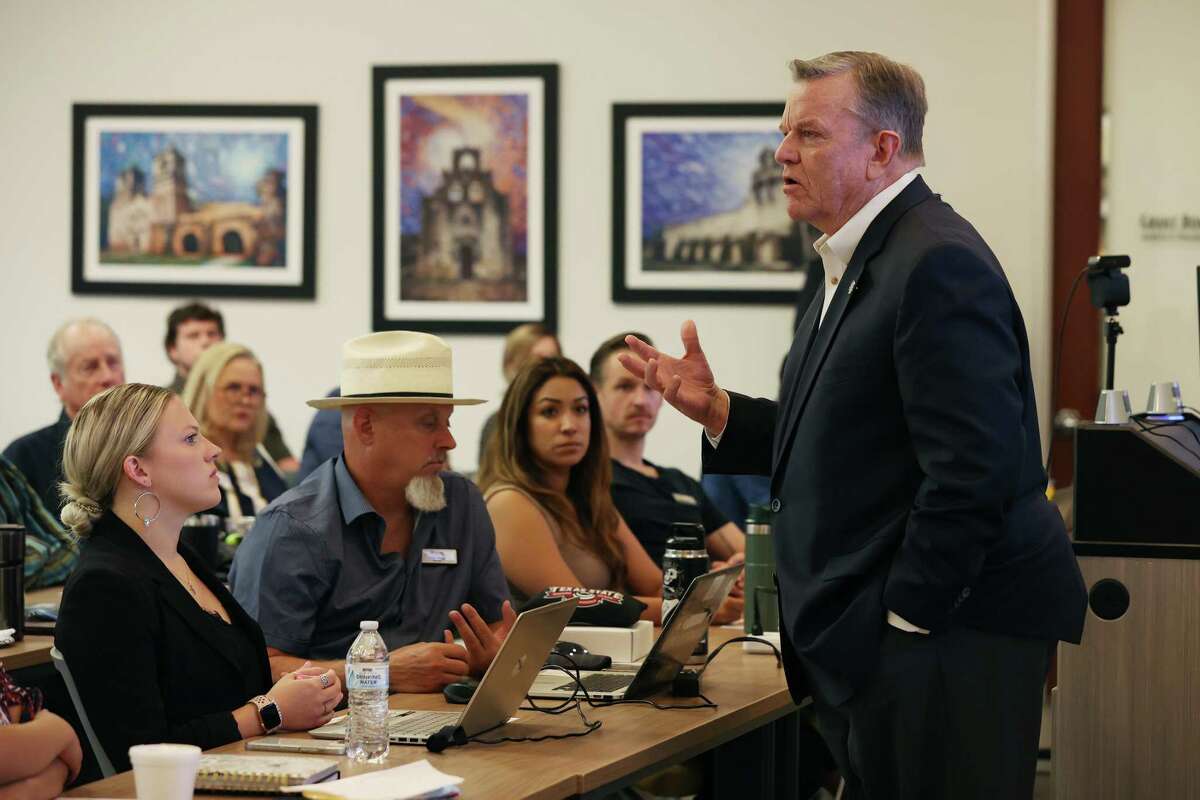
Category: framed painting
[465,197]
[698,210]
[202,200]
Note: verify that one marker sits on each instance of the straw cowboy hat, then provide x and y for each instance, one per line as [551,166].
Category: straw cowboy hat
[395,367]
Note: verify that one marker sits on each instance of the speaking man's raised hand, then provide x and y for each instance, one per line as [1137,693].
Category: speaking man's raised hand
[686,383]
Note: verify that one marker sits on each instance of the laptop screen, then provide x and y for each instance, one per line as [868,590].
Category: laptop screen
[683,631]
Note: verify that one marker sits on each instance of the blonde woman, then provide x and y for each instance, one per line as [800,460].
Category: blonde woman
[224,391]
[159,649]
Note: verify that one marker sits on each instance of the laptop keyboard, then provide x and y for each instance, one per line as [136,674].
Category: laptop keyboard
[600,682]
[421,723]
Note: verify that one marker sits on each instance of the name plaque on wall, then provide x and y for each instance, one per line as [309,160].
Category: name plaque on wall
[1156,227]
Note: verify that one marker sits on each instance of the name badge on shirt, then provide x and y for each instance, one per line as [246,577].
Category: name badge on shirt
[686,499]
[433,555]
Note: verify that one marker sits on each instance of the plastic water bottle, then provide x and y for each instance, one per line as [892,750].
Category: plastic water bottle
[367,684]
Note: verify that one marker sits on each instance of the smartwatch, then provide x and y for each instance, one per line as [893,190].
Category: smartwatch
[269,714]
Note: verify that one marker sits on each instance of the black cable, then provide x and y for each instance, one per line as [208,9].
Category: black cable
[1153,430]
[594,703]
[588,725]
[707,702]
[1188,429]
[756,640]
[1057,366]
[606,703]
[1139,420]
[565,705]
[453,736]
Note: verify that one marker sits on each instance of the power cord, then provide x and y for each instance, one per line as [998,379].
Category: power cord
[1153,430]
[1057,367]
[600,703]
[453,735]
[706,702]
[589,726]
[756,640]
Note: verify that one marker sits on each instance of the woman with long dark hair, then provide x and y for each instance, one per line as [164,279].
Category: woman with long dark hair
[547,481]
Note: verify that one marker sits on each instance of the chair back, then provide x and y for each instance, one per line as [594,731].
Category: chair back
[60,663]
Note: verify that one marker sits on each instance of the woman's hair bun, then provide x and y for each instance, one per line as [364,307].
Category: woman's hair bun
[80,511]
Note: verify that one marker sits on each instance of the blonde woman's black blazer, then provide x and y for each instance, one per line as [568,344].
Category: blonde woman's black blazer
[150,664]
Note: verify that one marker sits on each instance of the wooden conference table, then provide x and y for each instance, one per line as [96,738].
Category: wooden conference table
[31,651]
[634,740]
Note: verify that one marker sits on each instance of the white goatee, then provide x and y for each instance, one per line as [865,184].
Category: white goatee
[426,493]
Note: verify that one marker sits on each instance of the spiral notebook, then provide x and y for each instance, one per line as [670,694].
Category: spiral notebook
[260,774]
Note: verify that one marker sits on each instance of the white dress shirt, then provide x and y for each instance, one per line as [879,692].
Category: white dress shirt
[836,250]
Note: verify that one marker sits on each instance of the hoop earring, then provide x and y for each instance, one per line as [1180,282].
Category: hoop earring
[147,520]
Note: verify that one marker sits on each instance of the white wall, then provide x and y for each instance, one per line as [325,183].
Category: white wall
[987,67]
[1150,56]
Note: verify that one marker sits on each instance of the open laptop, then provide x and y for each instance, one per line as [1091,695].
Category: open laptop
[498,695]
[680,635]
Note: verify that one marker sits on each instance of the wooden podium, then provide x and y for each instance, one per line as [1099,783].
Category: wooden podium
[1127,706]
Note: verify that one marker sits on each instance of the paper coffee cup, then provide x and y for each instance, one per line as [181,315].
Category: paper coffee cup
[164,771]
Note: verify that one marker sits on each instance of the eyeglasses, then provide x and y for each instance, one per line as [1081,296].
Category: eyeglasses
[234,391]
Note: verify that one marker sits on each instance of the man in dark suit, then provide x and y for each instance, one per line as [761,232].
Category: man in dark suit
[85,358]
[923,576]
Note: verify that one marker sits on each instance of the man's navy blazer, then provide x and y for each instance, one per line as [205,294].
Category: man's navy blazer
[905,457]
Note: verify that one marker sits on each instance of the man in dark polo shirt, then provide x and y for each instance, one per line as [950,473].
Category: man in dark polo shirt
[382,532]
[84,357]
[648,496]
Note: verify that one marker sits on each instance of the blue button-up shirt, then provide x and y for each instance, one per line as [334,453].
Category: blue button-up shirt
[311,568]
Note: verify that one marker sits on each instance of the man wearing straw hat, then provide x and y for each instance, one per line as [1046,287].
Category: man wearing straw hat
[382,532]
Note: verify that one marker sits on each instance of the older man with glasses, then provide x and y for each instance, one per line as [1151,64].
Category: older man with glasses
[84,357]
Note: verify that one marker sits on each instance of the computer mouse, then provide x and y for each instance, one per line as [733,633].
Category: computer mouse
[460,692]
[569,649]
[571,655]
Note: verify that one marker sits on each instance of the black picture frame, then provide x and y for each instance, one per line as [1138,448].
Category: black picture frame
[228,232]
[741,279]
[408,263]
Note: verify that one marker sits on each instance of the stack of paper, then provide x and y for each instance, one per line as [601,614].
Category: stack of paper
[417,780]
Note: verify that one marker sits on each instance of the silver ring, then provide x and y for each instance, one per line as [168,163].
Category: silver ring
[325,681]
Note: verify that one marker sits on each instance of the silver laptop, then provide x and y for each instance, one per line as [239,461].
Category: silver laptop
[498,695]
[680,635]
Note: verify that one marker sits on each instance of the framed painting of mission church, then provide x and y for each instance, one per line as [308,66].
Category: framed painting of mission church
[465,197]
[196,200]
[699,215]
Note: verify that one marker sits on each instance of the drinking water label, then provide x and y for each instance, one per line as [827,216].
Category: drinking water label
[366,676]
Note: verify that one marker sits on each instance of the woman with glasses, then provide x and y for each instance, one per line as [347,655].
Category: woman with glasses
[224,391]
